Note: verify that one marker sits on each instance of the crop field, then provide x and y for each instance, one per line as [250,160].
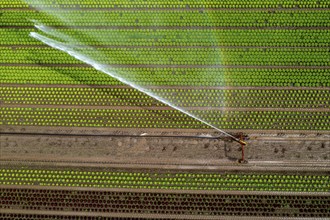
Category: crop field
[221,193]
[131,109]
[167,180]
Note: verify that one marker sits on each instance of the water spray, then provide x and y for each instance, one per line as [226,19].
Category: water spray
[75,51]
[106,69]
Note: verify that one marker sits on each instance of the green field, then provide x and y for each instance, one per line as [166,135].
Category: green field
[162,18]
[129,97]
[262,61]
[166,180]
[257,69]
[167,4]
[233,77]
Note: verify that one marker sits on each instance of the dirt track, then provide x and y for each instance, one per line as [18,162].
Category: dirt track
[158,150]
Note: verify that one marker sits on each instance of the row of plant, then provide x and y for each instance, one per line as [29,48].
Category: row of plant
[174,18]
[173,56]
[120,118]
[168,76]
[97,118]
[175,37]
[164,4]
[231,98]
[187,181]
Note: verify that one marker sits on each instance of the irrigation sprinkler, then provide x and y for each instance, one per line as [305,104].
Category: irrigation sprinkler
[243,144]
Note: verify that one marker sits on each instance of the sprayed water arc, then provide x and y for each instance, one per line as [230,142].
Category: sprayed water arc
[74,46]
[104,69]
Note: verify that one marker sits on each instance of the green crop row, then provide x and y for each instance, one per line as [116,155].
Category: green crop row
[187,98]
[35,56]
[116,118]
[175,37]
[15,36]
[173,56]
[165,4]
[187,18]
[144,180]
[97,118]
[55,75]
[168,76]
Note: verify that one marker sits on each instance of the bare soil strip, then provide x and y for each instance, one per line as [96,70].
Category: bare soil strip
[278,139]
[281,134]
[107,131]
[137,216]
[266,136]
[170,191]
[123,215]
[173,164]
[112,146]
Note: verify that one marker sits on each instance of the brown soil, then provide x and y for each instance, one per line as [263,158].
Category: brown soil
[168,150]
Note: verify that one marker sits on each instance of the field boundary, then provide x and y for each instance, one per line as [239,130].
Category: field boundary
[186,165]
[167,191]
[144,216]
